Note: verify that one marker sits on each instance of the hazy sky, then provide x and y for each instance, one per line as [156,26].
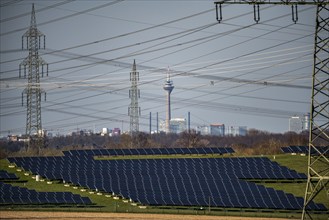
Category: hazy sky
[236,72]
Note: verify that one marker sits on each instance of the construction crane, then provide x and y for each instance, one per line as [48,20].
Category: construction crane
[318,160]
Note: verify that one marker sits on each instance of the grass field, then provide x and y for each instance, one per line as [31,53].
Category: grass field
[109,204]
[298,163]
[116,216]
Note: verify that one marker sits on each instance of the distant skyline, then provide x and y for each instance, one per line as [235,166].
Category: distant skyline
[235,72]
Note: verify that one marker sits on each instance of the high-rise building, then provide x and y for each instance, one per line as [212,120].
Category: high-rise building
[237,130]
[177,125]
[162,125]
[203,129]
[104,132]
[168,87]
[306,122]
[217,129]
[295,124]
[116,132]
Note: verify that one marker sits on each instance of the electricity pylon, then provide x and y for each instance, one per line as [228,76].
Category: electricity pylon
[134,94]
[318,161]
[33,91]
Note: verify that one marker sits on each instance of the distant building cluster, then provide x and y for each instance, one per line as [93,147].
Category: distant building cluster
[102,132]
[298,124]
[222,130]
[82,132]
[25,138]
[14,138]
[179,125]
[176,125]
[110,132]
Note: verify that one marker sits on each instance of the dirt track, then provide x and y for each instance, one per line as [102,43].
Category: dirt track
[113,216]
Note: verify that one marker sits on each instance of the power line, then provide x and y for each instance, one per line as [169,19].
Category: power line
[65,17]
[38,10]
[9,3]
[96,111]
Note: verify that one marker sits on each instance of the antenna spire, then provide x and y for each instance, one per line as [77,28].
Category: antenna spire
[168,74]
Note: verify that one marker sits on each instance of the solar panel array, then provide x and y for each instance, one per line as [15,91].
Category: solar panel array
[305,149]
[4,175]
[18,195]
[183,182]
[148,151]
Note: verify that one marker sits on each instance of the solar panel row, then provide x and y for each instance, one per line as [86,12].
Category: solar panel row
[244,168]
[18,195]
[185,181]
[305,150]
[147,151]
[192,182]
[4,175]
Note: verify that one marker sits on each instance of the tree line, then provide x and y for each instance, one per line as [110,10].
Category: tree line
[254,143]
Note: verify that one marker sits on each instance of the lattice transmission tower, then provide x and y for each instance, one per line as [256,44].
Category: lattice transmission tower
[31,65]
[134,94]
[318,161]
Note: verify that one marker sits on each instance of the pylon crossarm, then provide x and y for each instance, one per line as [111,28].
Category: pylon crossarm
[33,32]
[274,2]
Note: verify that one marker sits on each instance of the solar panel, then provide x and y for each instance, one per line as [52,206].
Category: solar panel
[184,181]
[17,195]
[147,151]
[305,150]
[4,175]
[134,151]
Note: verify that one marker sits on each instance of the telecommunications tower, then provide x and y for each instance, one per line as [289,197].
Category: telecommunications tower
[133,110]
[318,161]
[168,87]
[31,65]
